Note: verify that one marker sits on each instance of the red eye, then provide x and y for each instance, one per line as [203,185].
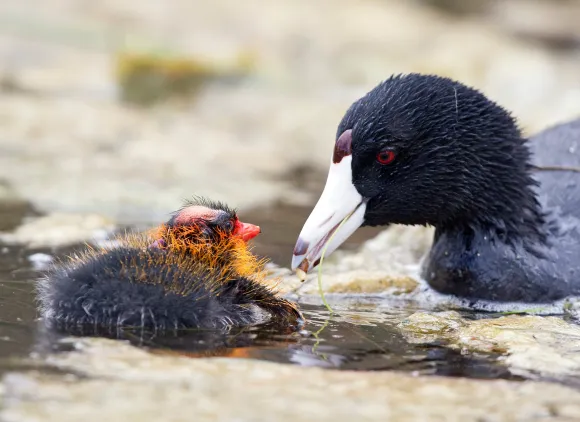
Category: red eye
[386,157]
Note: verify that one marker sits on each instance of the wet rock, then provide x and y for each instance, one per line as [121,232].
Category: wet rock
[423,327]
[545,346]
[369,285]
[386,264]
[117,382]
[59,229]
[533,345]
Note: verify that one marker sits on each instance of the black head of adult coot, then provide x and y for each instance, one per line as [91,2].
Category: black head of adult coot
[194,271]
[426,150]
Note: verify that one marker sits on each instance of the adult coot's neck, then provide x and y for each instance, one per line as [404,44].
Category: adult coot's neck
[498,196]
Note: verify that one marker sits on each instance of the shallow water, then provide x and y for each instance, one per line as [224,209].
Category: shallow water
[360,336]
[21,332]
[356,338]
[353,339]
[17,310]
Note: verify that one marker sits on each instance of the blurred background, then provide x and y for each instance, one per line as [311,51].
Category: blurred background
[119,110]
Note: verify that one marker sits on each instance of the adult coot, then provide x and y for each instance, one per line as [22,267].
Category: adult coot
[196,271]
[427,150]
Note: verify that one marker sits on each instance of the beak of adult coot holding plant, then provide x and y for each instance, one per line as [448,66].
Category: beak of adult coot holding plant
[338,213]
[246,231]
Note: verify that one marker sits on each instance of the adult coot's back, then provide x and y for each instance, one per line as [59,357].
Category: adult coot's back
[428,150]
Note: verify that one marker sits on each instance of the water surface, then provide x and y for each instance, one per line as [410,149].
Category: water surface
[357,337]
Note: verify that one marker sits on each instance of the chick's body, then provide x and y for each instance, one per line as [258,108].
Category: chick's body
[186,276]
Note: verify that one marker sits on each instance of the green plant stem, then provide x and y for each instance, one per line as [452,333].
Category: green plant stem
[322,259]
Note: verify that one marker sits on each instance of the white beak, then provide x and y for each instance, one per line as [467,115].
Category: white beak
[339,199]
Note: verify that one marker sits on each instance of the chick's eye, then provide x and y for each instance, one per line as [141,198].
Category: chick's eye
[229,225]
[386,156]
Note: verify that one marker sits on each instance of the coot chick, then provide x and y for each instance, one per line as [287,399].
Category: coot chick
[196,271]
[427,150]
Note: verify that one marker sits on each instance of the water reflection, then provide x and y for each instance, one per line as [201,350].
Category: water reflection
[351,340]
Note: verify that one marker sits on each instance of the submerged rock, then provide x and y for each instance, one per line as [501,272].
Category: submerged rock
[533,345]
[117,382]
[424,327]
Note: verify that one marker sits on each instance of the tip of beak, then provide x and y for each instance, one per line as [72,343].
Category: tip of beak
[300,262]
[299,255]
[296,261]
[247,231]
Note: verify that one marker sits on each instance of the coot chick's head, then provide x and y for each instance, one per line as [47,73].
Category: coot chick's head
[210,232]
[420,149]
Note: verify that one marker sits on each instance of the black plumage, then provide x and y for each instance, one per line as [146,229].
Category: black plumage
[505,230]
